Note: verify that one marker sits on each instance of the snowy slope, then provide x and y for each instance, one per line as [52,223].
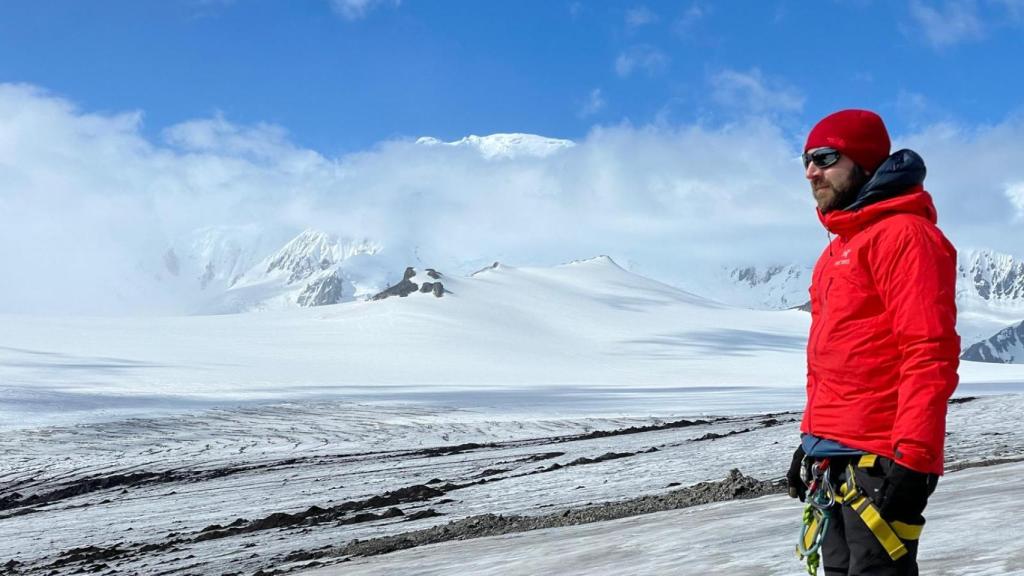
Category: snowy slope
[585,324]
[588,325]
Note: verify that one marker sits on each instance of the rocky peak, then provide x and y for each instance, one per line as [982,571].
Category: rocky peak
[329,289]
[313,251]
[991,276]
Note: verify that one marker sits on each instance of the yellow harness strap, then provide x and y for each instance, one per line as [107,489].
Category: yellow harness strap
[907,531]
[890,536]
[879,527]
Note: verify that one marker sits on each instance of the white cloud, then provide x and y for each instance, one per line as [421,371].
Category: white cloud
[955,22]
[1015,193]
[753,93]
[595,103]
[640,16]
[87,203]
[357,9]
[641,57]
[685,23]
[969,169]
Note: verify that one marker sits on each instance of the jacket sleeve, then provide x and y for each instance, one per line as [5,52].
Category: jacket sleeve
[915,273]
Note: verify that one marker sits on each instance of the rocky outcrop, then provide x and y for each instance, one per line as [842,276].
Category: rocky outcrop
[435,288]
[171,262]
[407,286]
[323,291]
[486,268]
[402,289]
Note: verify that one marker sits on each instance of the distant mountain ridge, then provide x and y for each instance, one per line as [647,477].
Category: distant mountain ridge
[1005,347]
[223,271]
[503,146]
[983,276]
[989,296]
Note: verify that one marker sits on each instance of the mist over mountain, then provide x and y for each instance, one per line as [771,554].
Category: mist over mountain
[169,224]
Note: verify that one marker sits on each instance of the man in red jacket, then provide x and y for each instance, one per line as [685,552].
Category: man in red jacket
[883,350]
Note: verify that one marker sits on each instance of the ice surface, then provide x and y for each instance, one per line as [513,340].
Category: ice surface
[755,538]
[126,431]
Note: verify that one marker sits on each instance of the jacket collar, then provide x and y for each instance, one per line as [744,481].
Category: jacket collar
[845,223]
[895,187]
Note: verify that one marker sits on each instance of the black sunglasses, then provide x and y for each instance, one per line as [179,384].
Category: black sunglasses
[822,157]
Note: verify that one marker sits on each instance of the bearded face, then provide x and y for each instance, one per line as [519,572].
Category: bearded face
[836,186]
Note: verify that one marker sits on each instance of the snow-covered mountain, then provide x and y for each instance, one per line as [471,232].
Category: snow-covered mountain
[772,287]
[228,270]
[498,146]
[193,268]
[1005,347]
[990,302]
[213,259]
[313,269]
[985,279]
[990,276]
[989,295]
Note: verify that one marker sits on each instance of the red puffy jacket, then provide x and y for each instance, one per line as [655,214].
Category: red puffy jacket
[883,351]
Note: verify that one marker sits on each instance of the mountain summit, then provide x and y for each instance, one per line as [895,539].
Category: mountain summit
[503,146]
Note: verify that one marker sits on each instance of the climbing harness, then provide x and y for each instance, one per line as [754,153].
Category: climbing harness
[890,535]
[821,496]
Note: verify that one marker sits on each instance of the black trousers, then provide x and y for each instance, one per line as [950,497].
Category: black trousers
[849,547]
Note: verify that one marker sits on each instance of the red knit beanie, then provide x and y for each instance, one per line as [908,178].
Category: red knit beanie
[859,134]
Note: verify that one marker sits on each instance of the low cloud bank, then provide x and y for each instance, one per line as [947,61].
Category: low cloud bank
[89,205]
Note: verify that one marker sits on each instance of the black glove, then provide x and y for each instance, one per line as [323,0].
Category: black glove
[904,493]
[797,488]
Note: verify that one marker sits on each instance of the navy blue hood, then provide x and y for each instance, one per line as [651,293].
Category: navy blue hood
[901,172]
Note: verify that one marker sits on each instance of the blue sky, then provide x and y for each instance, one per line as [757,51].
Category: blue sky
[342,75]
